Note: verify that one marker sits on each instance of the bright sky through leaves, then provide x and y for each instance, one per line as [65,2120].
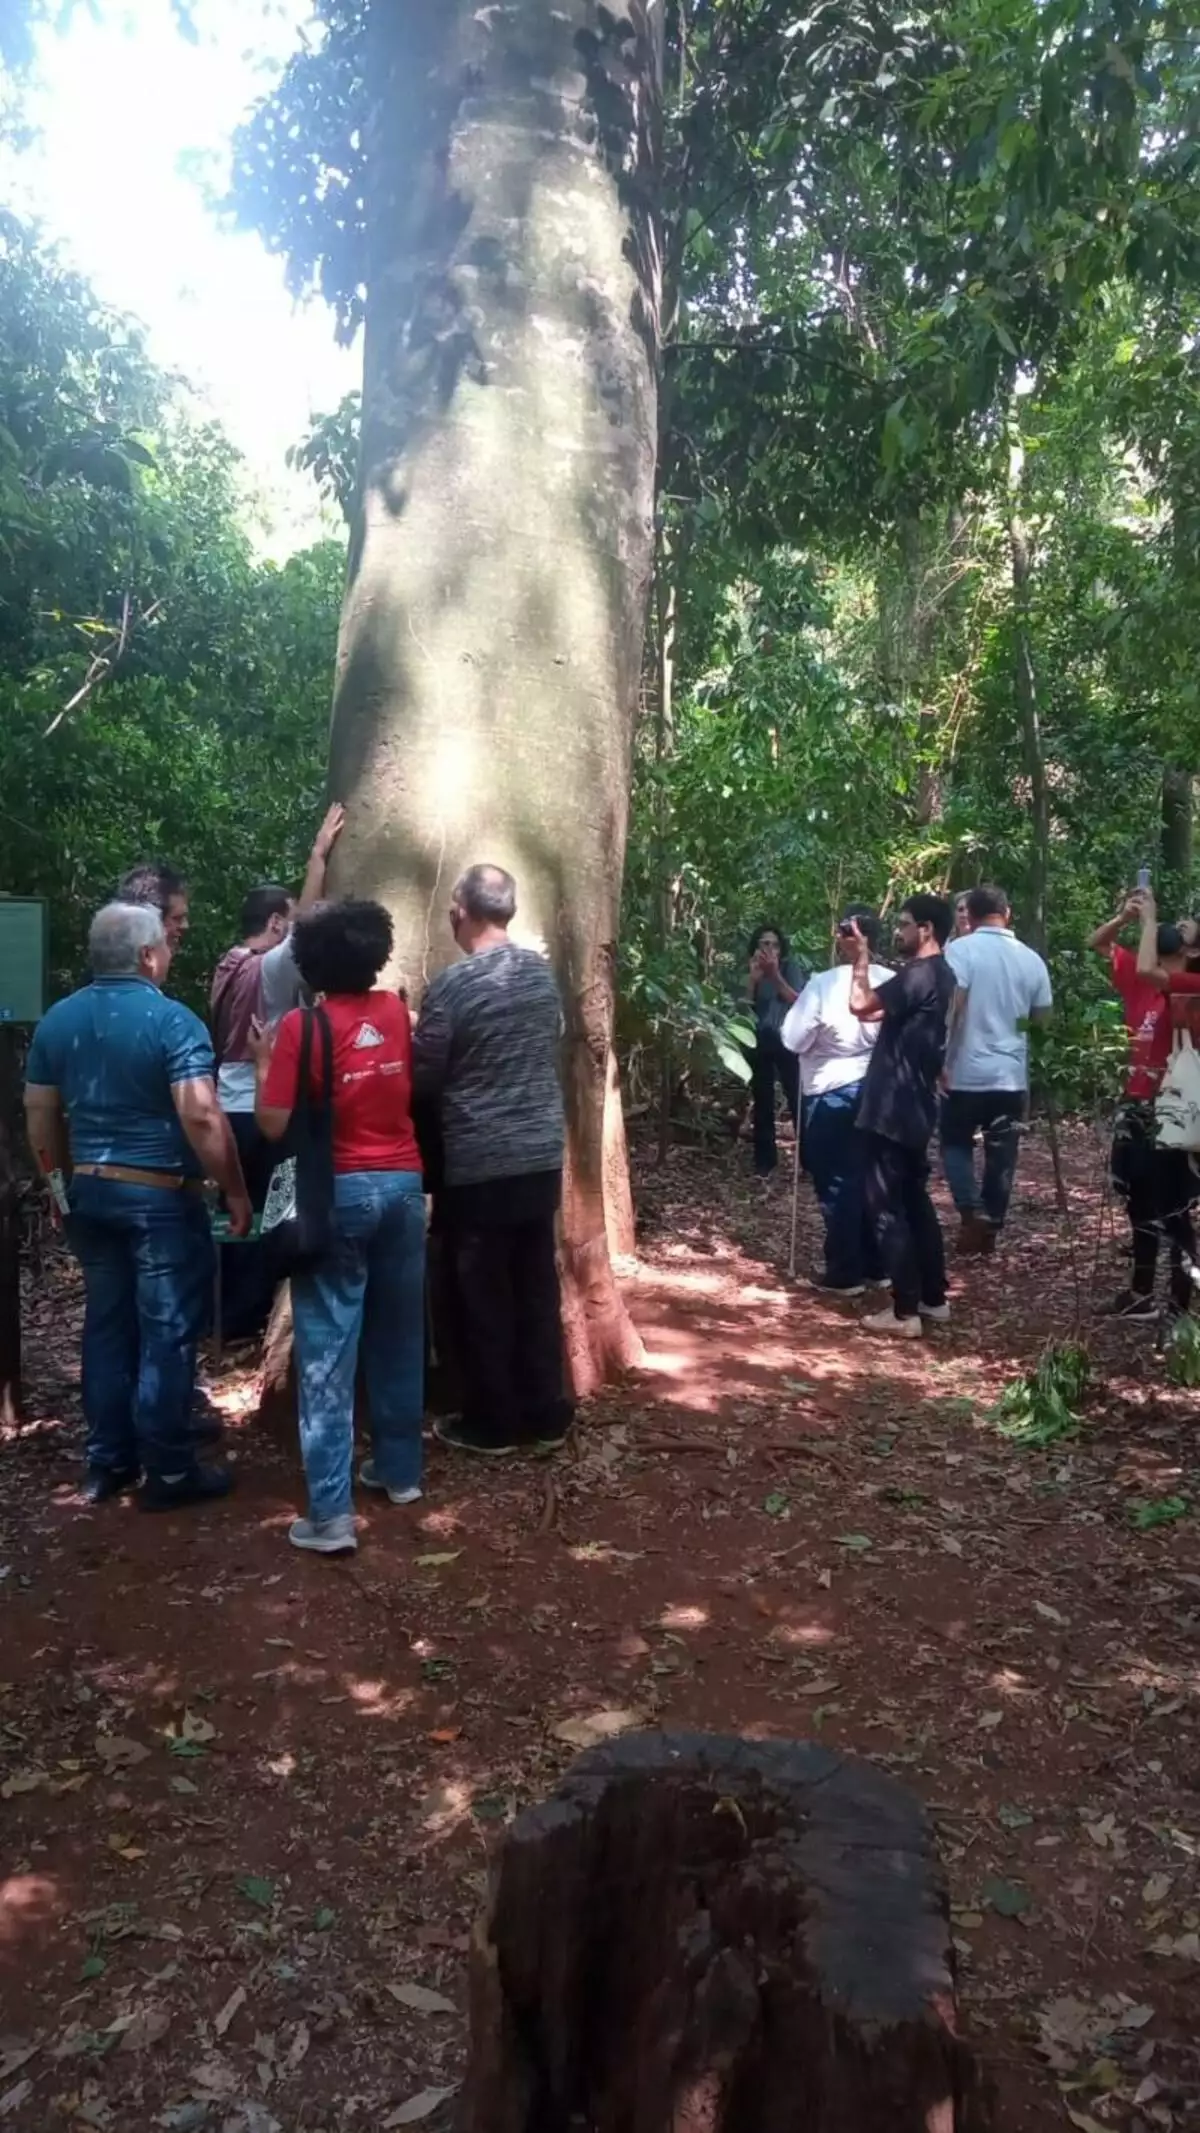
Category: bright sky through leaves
[128,112]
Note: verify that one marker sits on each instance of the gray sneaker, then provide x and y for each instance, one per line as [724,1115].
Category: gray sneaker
[370,1480]
[327,1536]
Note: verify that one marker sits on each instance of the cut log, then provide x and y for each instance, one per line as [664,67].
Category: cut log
[705,1935]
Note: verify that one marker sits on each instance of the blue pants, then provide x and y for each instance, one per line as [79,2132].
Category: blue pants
[835,1159]
[996,1116]
[147,1260]
[370,1286]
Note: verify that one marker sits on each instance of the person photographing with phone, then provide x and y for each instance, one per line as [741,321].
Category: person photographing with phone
[898,1110]
[834,1050]
[775,979]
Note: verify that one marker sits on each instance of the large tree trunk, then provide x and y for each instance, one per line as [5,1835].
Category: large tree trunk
[1177,825]
[492,636]
[1029,711]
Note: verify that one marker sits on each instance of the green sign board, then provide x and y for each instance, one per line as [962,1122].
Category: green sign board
[22,958]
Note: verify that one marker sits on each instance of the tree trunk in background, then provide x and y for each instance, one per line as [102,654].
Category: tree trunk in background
[1177,824]
[12,1135]
[491,640]
[1031,734]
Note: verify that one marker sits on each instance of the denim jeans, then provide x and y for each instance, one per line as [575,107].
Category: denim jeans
[997,1115]
[147,1260]
[371,1285]
[834,1157]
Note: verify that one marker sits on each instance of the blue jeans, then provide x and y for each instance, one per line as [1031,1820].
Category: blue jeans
[147,1260]
[996,1115]
[835,1159]
[371,1285]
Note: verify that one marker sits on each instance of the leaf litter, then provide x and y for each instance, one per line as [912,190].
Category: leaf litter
[1030,1680]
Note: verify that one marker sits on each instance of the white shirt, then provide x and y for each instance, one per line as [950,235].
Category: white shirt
[833,1045]
[280,981]
[1003,981]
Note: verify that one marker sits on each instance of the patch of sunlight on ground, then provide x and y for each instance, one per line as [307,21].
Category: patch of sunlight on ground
[26,1902]
[376,1700]
[803,1633]
[673,1617]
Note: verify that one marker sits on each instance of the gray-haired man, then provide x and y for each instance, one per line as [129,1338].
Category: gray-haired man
[120,1097]
[487,1048]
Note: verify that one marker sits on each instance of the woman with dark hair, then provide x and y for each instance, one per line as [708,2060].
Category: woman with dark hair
[370,1284]
[775,980]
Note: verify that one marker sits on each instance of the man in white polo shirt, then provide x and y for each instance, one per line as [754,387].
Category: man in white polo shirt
[1001,986]
[834,1048]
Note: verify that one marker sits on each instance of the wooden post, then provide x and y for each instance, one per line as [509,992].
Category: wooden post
[11,1142]
[706,1935]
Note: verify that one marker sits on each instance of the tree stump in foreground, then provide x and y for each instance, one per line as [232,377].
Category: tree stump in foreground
[699,1934]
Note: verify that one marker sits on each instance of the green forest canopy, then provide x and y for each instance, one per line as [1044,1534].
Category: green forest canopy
[927,597]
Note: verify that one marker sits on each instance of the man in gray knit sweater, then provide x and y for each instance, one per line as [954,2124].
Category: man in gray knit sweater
[487,1049]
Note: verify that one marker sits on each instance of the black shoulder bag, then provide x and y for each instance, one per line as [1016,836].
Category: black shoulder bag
[308,1232]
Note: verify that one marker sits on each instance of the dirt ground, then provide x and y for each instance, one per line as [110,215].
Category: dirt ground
[248,1797]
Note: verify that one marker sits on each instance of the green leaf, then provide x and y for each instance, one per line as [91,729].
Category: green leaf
[257,1890]
[1007,1898]
[324,1918]
[1159,1511]
[857,1542]
[92,1966]
[777,1504]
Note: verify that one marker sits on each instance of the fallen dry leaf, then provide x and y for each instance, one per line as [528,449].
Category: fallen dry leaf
[13,2098]
[420,1997]
[116,1752]
[196,1729]
[596,1727]
[237,1998]
[298,2046]
[23,1781]
[423,2105]
[124,1847]
[147,2026]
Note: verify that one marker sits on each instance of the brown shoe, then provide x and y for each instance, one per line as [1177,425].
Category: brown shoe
[971,1244]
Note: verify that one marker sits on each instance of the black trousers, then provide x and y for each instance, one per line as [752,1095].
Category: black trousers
[1158,1187]
[506,1305]
[905,1223]
[770,1060]
[249,1272]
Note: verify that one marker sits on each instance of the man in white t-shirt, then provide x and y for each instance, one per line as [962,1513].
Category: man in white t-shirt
[834,1048]
[1001,987]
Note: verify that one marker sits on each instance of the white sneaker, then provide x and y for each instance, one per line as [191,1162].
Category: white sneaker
[938,1314]
[328,1536]
[370,1480]
[901,1329]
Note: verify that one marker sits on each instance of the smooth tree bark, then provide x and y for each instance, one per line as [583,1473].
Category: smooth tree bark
[491,641]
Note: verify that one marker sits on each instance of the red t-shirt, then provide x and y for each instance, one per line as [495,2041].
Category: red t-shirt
[372,1079]
[1148,1023]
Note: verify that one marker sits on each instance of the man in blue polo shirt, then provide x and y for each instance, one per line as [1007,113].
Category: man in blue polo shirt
[120,1095]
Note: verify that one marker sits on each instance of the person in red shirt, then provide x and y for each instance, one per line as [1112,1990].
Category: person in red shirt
[1177,1179]
[1135,1169]
[370,1286]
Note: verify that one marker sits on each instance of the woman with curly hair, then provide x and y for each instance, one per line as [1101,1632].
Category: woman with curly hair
[368,1287]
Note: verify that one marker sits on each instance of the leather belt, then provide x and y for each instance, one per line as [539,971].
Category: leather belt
[126,1174]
